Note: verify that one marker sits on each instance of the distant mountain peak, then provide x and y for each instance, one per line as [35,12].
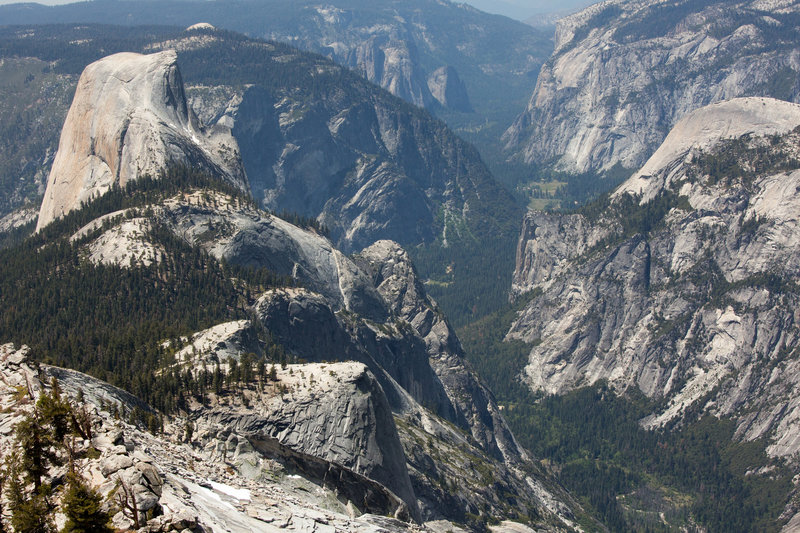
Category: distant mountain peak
[129,117]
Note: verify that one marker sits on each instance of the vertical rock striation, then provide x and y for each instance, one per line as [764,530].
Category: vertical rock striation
[684,284]
[129,117]
[624,72]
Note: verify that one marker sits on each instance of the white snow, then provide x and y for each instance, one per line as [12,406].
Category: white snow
[239,494]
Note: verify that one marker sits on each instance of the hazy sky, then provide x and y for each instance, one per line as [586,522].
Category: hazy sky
[522,9]
[519,9]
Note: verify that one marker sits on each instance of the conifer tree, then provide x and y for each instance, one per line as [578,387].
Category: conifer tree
[55,412]
[31,512]
[81,505]
[35,444]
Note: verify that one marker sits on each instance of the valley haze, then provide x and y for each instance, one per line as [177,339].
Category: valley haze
[400,266]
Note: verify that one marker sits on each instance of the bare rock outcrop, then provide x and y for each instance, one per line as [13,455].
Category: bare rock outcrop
[684,284]
[259,484]
[448,89]
[335,412]
[392,62]
[475,408]
[624,72]
[705,128]
[247,236]
[129,117]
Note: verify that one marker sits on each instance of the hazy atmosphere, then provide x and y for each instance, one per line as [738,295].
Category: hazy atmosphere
[517,9]
[400,266]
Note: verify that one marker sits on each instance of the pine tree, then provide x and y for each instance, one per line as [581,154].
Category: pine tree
[81,505]
[35,443]
[55,412]
[188,432]
[31,512]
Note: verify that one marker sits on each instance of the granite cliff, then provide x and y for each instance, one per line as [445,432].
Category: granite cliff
[130,117]
[315,139]
[682,284]
[623,73]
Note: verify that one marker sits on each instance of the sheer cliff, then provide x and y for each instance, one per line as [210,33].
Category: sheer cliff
[683,283]
[129,117]
[624,72]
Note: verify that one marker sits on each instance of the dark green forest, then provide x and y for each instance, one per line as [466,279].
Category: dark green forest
[111,321]
[694,474]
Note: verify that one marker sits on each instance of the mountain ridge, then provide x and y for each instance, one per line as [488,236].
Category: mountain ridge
[199,290]
[624,72]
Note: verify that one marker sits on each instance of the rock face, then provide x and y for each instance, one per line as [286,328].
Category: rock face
[397,45]
[624,72]
[334,412]
[704,129]
[393,64]
[250,237]
[366,168]
[128,118]
[448,89]
[370,312]
[180,486]
[684,284]
[474,406]
[320,141]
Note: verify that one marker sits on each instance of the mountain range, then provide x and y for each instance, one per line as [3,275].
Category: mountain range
[405,427]
[241,243]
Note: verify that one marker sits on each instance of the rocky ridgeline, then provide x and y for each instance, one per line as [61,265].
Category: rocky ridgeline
[624,72]
[218,481]
[683,285]
[383,416]
[313,448]
[386,394]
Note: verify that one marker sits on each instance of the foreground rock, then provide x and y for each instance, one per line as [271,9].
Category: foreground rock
[301,451]
[181,487]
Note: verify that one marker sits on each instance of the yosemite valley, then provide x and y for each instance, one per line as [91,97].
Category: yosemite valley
[399,266]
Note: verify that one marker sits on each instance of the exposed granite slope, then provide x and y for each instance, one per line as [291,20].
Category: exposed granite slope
[625,71]
[129,117]
[229,478]
[699,309]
